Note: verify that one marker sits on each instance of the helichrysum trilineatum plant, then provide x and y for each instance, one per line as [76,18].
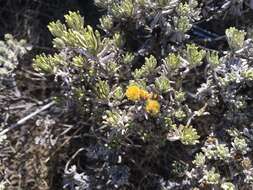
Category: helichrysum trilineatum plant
[156,97]
[10,51]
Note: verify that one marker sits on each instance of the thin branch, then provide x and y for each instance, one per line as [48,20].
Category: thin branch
[23,120]
[72,158]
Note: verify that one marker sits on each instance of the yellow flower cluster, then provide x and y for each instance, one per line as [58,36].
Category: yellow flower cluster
[153,107]
[135,93]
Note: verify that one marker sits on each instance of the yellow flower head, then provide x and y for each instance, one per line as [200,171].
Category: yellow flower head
[133,93]
[152,107]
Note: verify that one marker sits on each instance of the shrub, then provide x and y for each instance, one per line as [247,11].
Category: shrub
[153,98]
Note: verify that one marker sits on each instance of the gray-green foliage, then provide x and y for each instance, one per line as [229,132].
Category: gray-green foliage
[211,176]
[119,76]
[188,135]
[10,50]
[73,34]
[147,69]
[123,9]
[235,38]
[162,83]
[172,61]
[48,64]
[227,186]
[213,58]
[194,55]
